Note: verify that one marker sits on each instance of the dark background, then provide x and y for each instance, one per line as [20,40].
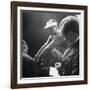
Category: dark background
[32,27]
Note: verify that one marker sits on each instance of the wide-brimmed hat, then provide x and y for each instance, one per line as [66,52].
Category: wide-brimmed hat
[69,24]
[50,23]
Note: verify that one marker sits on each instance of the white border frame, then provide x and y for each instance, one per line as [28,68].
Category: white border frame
[51,79]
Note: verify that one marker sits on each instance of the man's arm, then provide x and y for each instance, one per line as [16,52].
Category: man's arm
[53,44]
[47,49]
[40,50]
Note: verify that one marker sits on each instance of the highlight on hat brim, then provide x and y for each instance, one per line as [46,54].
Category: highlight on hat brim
[48,26]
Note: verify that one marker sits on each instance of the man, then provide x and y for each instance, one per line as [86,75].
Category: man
[53,49]
[70,31]
[29,67]
[69,27]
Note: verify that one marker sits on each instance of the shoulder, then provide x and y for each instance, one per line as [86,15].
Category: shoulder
[26,57]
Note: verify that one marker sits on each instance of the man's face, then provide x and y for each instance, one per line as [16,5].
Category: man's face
[70,37]
[24,48]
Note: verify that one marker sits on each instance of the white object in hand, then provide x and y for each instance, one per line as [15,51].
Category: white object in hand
[54,72]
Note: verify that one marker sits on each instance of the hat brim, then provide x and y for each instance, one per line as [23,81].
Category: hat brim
[48,26]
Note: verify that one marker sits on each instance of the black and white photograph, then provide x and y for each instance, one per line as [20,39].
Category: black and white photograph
[50,44]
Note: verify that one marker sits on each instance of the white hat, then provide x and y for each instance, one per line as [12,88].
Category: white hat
[50,23]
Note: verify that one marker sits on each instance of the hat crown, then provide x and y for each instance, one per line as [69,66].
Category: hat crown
[51,23]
